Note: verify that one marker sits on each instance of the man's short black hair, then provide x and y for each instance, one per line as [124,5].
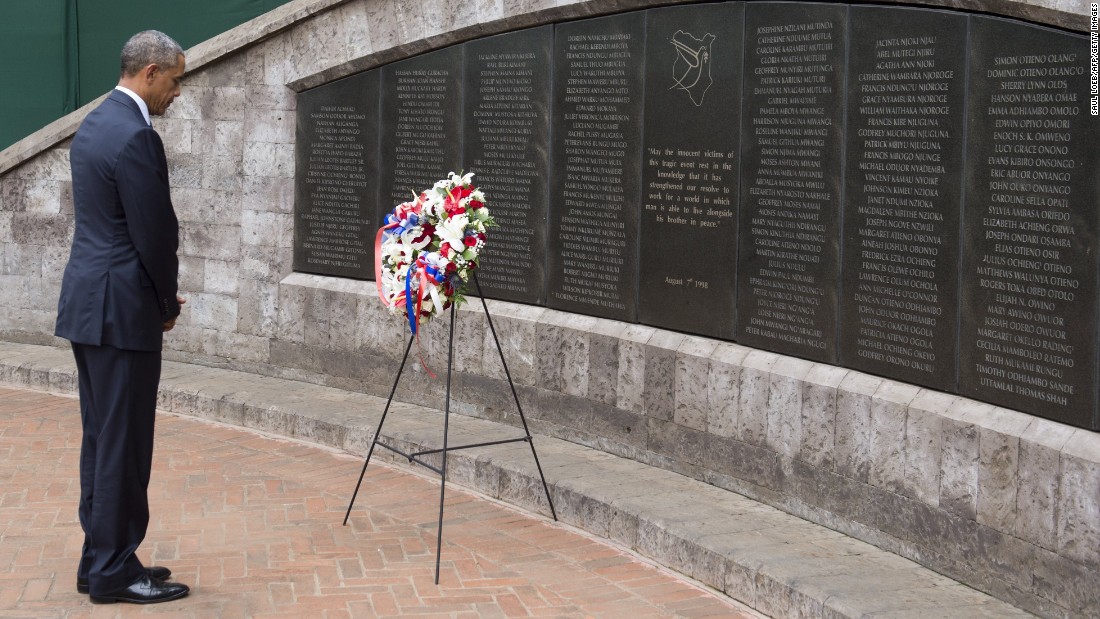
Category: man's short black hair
[149,47]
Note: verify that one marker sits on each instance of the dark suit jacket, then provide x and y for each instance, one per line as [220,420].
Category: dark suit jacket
[119,287]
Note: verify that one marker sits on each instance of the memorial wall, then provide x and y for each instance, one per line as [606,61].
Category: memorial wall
[908,192]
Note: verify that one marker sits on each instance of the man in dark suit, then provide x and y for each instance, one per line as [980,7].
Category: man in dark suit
[118,297]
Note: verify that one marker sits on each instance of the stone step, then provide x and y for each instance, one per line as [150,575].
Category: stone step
[775,562]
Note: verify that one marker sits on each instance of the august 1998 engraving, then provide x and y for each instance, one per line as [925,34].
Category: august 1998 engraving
[690,168]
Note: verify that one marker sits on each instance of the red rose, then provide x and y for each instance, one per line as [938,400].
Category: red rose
[470,241]
[476,204]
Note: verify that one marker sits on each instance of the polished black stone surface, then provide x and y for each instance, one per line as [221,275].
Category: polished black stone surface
[792,165]
[507,144]
[906,106]
[1029,268]
[336,164]
[599,77]
[690,168]
[907,192]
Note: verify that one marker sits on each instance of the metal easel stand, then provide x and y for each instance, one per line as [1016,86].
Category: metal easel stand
[417,457]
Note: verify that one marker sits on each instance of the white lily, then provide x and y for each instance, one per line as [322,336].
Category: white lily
[452,230]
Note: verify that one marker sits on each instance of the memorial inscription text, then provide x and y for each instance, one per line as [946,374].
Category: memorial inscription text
[788,197]
[419,156]
[1025,347]
[901,167]
[504,120]
[335,175]
[592,231]
[904,196]
[689,188]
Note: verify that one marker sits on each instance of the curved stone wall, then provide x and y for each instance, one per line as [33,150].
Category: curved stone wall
[906,192]
[998,499]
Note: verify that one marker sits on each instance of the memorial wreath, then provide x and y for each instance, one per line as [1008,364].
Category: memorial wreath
[427,249]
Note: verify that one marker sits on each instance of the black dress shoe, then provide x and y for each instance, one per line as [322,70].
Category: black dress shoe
[157,572]
[145,590]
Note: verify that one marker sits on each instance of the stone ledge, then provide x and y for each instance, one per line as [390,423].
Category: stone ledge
[768,559]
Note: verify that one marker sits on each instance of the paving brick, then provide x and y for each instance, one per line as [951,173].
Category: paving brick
[253,524]
[252,521]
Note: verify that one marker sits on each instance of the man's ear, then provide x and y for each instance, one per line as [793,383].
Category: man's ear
[150,72]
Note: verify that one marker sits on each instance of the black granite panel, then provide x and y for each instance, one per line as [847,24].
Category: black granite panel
[507,144]
[421,123]
[690,168]
[791,149]
[906,110]
[599,80]
[1029,269]
[336,164]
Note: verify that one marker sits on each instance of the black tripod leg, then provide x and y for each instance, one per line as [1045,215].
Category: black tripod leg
[515,395]
[378,430]
[446,423]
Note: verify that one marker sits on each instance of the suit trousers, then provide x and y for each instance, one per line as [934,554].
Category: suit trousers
[118,399]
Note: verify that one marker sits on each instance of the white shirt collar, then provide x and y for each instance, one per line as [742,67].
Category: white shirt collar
[140,102]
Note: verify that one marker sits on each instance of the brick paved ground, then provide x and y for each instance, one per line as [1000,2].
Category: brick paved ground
[253,524]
